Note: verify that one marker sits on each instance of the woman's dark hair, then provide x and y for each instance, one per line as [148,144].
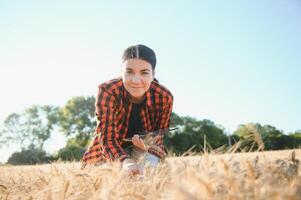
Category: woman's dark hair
[140,51]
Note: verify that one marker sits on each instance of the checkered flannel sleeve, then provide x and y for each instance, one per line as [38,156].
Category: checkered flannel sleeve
[163,123]
[106,127]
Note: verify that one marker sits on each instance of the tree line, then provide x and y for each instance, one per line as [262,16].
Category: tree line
[31,128]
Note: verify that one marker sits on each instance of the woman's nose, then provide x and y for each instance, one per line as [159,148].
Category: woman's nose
[136,79]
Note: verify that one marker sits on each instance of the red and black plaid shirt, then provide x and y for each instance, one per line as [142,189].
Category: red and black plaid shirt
[113,109]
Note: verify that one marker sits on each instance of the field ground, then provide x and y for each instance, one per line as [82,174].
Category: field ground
[256,175]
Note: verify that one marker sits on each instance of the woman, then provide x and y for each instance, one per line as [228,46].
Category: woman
[128,106]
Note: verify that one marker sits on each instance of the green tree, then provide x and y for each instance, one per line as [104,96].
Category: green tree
[192,134]
[77,119]
[176,120]
[39,123]
[251,136]
[13,132]
[273,138]
[267,136]
[295,139]
[32,126]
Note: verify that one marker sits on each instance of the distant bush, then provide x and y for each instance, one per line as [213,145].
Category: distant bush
[29,156]
[71,152]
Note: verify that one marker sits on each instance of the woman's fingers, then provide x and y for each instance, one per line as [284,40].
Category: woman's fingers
[135,140]
[138,142]
[158,138]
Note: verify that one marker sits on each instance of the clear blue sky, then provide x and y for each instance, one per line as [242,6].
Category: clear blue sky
[232,62]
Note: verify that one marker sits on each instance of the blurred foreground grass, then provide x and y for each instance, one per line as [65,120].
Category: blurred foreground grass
[256,175]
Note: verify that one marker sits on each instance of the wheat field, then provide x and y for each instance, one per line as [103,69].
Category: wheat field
[257,175]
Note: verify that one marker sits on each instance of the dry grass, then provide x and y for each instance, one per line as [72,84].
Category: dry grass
[260,175]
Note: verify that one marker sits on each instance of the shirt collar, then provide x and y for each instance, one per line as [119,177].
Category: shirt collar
[148,96]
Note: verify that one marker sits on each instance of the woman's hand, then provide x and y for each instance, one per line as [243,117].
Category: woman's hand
[138,142]
[132,167]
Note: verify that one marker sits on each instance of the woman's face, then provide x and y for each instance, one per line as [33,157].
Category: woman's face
[137,76]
